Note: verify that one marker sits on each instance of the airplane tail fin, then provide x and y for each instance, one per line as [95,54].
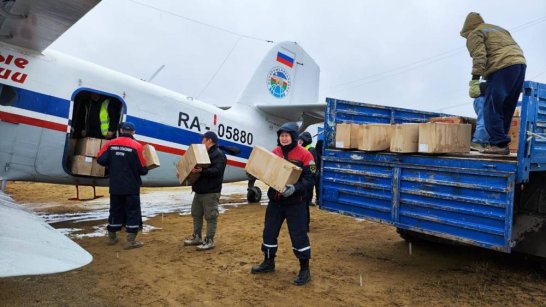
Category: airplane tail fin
[286,76]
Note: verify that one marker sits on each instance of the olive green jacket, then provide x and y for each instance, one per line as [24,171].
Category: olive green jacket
[491,47]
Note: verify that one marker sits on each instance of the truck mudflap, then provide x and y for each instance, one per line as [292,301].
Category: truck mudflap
[465,200]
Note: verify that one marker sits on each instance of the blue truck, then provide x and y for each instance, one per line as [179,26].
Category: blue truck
[494,202]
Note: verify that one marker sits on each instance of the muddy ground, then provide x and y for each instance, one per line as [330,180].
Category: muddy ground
[354,263]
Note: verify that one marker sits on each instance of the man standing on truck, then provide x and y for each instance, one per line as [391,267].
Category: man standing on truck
[497,58]
[289,205]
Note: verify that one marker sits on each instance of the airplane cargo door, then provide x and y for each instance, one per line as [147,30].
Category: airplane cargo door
[94,120]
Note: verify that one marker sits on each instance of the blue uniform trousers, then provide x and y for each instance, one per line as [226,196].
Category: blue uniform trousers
[125,212]
[296,218]
[501,97]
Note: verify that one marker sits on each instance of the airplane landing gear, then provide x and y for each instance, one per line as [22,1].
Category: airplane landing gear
[254,194]
[95,196]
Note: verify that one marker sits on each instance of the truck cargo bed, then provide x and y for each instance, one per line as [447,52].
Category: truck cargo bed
[462,197]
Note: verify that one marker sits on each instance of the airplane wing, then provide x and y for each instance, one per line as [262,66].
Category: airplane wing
[29,246]
[35,24]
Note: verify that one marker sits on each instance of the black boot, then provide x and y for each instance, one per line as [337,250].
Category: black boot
[305,274]
[267,266]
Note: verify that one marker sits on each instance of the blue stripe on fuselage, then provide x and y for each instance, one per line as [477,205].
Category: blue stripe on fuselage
[179,136]
[37,102]
[45,104]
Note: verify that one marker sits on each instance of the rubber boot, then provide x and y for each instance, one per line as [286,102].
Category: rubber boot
[305,274]
[267,266]
[112,238]
[132,242]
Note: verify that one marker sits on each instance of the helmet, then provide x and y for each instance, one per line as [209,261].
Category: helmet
[306,138]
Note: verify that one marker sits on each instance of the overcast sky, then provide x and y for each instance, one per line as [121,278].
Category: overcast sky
[397,53]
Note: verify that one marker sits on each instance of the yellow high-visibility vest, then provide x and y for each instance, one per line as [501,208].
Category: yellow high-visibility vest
[104,118]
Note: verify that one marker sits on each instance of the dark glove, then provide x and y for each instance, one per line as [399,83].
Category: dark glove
[289,190]
[474,88]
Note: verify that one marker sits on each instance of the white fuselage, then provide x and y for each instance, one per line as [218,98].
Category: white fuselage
[34,129]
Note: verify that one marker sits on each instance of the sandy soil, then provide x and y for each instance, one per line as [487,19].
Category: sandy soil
[354,263]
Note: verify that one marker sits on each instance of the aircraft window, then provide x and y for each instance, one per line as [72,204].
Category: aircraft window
[8,95]
[95,119]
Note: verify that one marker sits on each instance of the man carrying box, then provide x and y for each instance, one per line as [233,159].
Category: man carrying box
[290,205]
[125,162]
[207,194]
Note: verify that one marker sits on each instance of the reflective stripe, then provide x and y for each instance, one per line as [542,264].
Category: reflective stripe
[268,245]
[132,226]
[302,249]
[115,225]
[104,118]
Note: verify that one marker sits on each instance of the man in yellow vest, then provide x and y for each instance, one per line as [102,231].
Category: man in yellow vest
[101,117]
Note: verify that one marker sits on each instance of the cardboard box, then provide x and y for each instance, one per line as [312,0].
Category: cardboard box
[343,136]
[272,170]
[447,120]
[517,112]
[196,156]
[444,138]
[88,147]
[152,160]
[405,138]
[513,133]
[82,165]
[97,170]
[375,137]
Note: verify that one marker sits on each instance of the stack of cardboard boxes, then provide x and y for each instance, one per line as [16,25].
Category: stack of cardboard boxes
[84,161]
[443,135]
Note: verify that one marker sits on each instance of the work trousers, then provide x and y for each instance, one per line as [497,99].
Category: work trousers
[296,218]
[501,97]
[125,212]
[205,205]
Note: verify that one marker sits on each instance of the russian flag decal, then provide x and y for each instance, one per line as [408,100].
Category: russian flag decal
[286,57]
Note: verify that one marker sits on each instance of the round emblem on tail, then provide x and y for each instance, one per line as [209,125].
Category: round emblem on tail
[278,82]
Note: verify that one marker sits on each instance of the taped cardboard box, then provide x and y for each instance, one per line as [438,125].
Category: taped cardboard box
[88,147]
[375,137]
[195,156]
[150,154]
[444,138]
[447,120]
[82,165]
[272,170]
[513,133]
[405,138]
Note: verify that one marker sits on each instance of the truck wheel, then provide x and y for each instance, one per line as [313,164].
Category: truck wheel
[254,195]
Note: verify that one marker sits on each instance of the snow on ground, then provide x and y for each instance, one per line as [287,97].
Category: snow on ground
[152,204]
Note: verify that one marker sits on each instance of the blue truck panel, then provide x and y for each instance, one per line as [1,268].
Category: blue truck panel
[532,139]
[467,198]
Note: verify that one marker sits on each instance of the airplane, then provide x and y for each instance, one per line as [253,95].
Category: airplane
[40,89]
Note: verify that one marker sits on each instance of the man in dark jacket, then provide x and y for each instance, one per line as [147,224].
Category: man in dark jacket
[497,58]
[289,205]
[125,162]
[305,139]
[207,194]
[98,116]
